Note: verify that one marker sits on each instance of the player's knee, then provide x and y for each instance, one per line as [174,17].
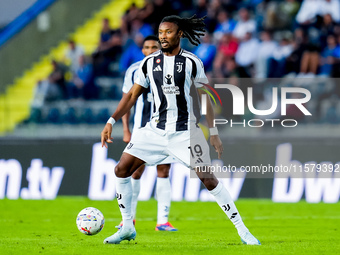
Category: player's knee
[163,171]
[136,175]
[121,171]
[210,183]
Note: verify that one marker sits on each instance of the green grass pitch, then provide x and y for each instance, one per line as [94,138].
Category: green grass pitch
[49,227]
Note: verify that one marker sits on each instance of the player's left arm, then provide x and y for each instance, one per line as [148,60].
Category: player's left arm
[215,140]
[126,129]
[123,107]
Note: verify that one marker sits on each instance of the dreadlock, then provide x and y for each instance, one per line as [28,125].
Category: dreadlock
[192,28]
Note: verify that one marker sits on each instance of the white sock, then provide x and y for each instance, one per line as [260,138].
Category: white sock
[124,196]
[163,191]
[225,201]
[135,192]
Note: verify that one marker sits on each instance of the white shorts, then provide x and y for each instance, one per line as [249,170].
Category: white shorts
[155,146]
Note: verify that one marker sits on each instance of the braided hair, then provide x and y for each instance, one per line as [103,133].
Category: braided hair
[192,28]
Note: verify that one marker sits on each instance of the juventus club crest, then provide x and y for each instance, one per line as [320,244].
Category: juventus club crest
[179,66]
[168,78]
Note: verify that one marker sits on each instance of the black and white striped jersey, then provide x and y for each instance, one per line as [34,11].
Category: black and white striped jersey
[143,106]
[173,81]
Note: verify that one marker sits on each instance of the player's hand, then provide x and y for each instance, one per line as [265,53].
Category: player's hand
[216,142]
[127,136]
[106,135]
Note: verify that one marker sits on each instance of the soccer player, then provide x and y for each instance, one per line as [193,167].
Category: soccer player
[143,111]
[174,76]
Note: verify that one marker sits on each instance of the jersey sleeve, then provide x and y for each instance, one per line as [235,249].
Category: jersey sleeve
[128,79]
[142,77]
[200,78]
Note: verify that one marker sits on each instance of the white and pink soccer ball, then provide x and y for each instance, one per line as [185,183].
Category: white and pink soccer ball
[90,221]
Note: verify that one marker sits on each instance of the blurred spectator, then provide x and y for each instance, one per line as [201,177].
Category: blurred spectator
[105,33]
[265,51]
[284,50]
[331,7]
[73,53]
[227,5]
[53,88]
[260,13]
[281,15]
[293,62]
[131,53]
[310,62]
[251,3]
[106,57]
[305,57]
[247,51]
[131,14]
[327,28]
[226,50]
[56,80]
[277,64]
[81,81]
[201,9]
[224,25]
[40,94]
[327,56]
[154,11]
[138,27]
[231,69]
[228,45]
[337,29]
[234,71]
[146,13]
[227,68]
[336,61]
[244,25]
[310,9]
[213,8]
[181,6]
[206,51]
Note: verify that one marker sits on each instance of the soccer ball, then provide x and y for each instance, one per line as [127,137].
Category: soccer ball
[90,221]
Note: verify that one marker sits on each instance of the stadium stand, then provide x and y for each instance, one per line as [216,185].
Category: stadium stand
[15,103]
[249,39]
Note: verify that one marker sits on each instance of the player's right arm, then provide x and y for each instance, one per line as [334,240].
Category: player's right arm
[200,80]
[126,129]
[129,79]
[125,104]
[215,140]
